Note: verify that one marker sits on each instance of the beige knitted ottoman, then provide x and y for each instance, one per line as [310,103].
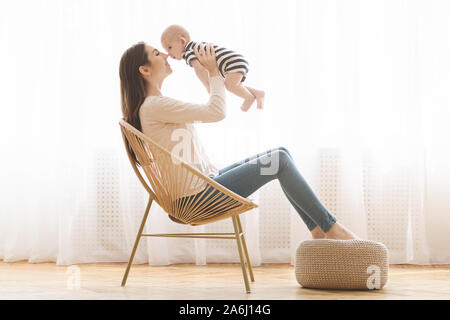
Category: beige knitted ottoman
[342,264]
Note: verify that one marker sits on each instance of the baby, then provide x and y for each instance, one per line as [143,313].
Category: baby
[232,66]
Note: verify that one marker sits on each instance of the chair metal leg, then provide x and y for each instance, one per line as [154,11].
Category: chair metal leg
[136,243]
[244,245]
[241,255]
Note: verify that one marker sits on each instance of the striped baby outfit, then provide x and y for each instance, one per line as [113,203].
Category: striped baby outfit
[227,60]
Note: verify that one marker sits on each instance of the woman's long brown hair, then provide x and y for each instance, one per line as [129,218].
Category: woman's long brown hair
[132,86]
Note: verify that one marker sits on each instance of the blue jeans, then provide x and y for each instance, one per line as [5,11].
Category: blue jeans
[247,176]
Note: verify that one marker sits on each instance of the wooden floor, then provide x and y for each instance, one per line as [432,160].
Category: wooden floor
[22,280]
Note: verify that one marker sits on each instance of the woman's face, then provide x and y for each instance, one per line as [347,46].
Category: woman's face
[159,66]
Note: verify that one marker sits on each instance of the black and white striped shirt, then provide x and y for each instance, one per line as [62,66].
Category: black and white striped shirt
[227,60]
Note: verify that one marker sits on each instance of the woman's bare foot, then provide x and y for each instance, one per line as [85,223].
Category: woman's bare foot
[259,95]
[317,233]
[247,104]
[340,232]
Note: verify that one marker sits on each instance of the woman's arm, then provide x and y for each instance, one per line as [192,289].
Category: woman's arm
[206,55]
[201,73]
[175,111]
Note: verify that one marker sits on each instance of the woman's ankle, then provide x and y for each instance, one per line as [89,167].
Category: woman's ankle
[340,232]
[317,233]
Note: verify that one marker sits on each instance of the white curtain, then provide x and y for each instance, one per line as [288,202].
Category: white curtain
[357,91]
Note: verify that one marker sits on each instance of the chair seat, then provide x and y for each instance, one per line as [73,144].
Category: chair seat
[176,220]
[341,264]
[214,209]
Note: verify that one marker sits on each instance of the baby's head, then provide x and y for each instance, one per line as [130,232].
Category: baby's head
[174,40]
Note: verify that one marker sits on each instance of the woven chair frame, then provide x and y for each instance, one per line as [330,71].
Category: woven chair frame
[170,179]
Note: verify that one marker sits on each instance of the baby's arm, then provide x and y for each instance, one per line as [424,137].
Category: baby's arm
[201,72]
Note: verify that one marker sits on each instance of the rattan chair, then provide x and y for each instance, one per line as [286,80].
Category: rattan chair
[171,178]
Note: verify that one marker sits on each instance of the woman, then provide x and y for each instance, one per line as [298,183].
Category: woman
[142,73]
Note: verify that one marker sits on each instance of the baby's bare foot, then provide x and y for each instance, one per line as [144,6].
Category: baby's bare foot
[259,95]
[247,104]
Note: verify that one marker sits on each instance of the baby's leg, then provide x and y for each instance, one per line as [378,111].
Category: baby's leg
[259,95]
[233,84]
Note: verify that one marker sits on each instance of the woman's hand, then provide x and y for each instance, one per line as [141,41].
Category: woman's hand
[207,57]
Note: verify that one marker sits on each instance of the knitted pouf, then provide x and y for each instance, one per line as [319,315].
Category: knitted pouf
[342,264]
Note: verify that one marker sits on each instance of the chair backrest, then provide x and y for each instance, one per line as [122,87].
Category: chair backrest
[171,178]
[133,163]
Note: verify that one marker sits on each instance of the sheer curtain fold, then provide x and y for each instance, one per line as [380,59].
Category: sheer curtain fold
[356,90]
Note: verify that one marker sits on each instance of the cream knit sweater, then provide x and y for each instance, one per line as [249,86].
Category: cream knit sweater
[170,123]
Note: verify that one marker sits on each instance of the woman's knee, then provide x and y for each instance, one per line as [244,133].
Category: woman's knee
[282,157]
[284,150]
